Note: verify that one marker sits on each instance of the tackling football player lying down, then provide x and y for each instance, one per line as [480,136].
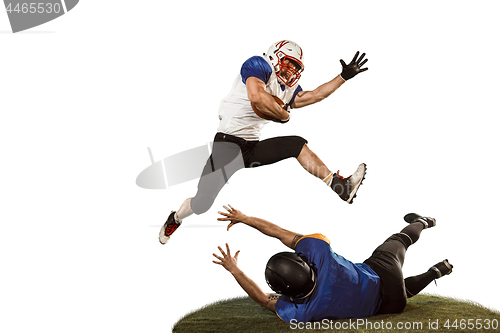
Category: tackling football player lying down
[313,282]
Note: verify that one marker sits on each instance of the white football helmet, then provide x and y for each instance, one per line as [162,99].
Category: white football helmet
[286,50]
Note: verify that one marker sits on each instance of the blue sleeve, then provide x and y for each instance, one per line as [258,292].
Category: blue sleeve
[257,67]
[314,247]
[286,310]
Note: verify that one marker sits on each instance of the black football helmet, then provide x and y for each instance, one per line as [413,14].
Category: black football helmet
[287,273]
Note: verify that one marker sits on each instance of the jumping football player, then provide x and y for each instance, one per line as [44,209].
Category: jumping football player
[237,145]
[316,283]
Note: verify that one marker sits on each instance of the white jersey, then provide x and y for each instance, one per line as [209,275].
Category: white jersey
[235,113]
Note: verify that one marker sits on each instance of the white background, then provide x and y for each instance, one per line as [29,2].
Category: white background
[83,96]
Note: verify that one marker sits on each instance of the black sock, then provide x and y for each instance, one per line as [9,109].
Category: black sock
[416,284]
[413,232]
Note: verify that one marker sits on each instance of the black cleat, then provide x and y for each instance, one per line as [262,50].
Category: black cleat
[442,268]
[428,222]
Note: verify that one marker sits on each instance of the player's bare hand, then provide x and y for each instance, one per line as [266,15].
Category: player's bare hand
[233,215]
[354,67]
[226,261]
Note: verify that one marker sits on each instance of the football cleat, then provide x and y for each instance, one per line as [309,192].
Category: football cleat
[428,222]
[346,188]
[168,228]
[442,268]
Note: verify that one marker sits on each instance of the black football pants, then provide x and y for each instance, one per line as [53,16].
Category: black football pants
[230,154]
[387,261]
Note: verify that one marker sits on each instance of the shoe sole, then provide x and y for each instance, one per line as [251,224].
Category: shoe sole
[163,240]
[353,193]
[450,266]
[412,217]
[161,237]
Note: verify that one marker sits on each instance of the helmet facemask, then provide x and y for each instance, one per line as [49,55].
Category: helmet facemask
[290,66]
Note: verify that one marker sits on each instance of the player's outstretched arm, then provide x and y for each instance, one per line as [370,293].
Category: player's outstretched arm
[251,288]
[267,228]
[305,98]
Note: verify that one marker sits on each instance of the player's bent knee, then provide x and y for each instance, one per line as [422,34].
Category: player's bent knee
[296,144]
[200,204]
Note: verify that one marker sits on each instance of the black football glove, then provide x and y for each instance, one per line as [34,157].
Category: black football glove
[354,67]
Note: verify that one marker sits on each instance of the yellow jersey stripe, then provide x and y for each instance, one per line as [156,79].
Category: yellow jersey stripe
[317,236]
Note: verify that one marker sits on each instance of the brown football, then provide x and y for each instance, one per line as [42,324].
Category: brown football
[264,116]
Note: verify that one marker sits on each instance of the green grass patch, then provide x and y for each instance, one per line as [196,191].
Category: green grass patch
[424,313]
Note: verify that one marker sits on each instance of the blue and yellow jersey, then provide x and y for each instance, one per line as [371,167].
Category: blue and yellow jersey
[343,290]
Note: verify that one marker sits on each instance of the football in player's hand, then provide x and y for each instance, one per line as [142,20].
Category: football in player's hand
[265,116]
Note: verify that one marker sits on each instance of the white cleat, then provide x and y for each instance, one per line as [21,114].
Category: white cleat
[168,229]
[356,180]
[346,188]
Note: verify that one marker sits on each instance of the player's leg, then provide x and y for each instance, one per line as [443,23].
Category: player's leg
[346,188]
[416,284]
[184,211]
[273,150]
[387,261]
[276,149]
[312,163]
[398,243]
[225,160]
[174,221]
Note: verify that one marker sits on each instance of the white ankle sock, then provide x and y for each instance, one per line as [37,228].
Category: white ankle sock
[328,180]
[184,211]
[176,218]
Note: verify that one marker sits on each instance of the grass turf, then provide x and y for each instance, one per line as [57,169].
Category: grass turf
[424,313]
